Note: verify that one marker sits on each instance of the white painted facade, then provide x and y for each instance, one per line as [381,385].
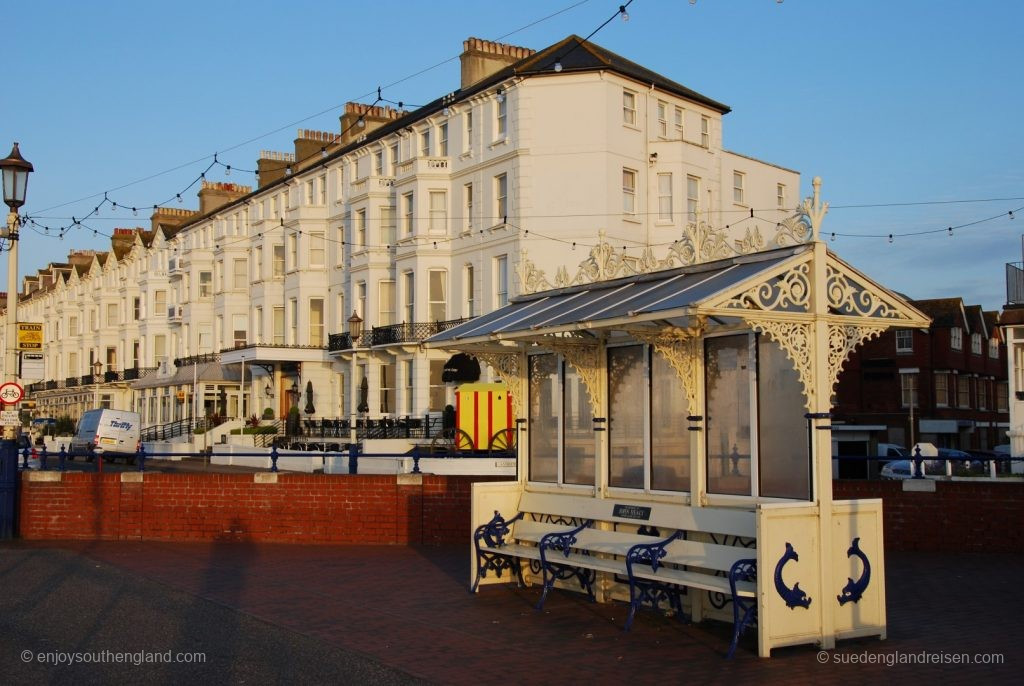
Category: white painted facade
[505,190]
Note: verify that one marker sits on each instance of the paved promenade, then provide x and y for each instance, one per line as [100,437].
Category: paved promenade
[302,614]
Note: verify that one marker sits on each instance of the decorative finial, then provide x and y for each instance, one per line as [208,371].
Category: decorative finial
[815,209]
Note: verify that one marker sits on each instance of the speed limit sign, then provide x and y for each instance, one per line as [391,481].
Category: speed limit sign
[11,393]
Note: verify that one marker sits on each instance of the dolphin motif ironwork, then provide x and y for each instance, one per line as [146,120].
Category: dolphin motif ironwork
[853,590]
[794,597]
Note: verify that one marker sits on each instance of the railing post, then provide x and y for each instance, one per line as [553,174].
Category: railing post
[416,459]
[273,459]
[42,458]
[24,458]
[353,458]
[917,462]
[140,457]
[61,458]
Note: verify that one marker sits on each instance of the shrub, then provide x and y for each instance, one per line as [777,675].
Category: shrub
[268,413]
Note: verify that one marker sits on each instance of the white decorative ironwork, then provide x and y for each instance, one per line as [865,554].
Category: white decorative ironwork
[788,291]
[815,209]
[794,229]
[842,339]
[847,297]
[585,358]
[682,349]
[700,243]
[506,366]
[795,340]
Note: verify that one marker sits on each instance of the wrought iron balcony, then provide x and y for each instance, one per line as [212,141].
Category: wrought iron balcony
[343,341]
[1015,283]
[411,332]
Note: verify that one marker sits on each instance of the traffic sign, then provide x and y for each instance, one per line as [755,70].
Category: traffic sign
[11,393]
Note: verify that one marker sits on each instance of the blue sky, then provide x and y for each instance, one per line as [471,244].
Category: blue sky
[915,101]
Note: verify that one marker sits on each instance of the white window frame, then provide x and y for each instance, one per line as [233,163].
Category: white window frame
[739,179]
[408,210]
[628,107]
[956,338]
[662,112]
[705,132]
[467,204]
[629,177]
[317,251]
[976,343]
[500,281]
[904,341]
[679,119]
[501,117]
[437,303]
[437,213]
[692,197]
[501,198]
[665,197]
[780,195]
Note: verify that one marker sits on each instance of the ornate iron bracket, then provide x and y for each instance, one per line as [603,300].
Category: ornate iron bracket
[563,541]
[853,590]
[492,535]
[794,597]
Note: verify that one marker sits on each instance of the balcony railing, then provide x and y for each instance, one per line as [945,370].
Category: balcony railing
[393,334]
[413,332]
[1015,283]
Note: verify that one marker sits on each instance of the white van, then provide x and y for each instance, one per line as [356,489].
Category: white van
[108,433]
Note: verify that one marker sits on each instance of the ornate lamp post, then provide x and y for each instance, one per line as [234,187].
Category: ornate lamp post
[355,330]
[97,369]
[15,182]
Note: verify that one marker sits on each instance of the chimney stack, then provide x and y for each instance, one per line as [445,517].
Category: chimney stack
[481,58]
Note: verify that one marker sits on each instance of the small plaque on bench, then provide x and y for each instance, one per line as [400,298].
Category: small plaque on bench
[632,512]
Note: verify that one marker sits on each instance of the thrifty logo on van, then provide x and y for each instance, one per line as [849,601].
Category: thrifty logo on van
[115,424]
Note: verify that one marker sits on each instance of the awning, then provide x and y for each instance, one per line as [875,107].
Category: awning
[461,368]
[207,372]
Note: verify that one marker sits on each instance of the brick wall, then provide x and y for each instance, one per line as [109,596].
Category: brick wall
[960,516]
[361,509]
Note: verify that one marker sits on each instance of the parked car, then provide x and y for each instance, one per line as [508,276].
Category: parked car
[904,469]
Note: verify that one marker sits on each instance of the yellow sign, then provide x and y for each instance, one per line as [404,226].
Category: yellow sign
[30,336]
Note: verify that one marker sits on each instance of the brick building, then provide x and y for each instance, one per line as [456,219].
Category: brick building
[946,386]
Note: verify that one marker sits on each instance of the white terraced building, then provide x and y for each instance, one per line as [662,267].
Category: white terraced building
[542,169]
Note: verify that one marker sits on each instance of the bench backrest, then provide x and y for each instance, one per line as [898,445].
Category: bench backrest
[715,520]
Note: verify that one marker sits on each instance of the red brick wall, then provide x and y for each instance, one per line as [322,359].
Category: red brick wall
[960,516]
[298,508]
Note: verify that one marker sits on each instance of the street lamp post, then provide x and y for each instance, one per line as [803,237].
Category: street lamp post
[15,181]
[97,369]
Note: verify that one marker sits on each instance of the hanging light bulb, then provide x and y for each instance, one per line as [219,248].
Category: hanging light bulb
[227,170]
[890,238]
[179,198]
[447,111]
[288,170]
[623,13]
[323,151]
[113,207]
[360,123]
[500,95]
[833,237]
[574,245]
[950,230]
[558,66]
[1011,214]
[135,212]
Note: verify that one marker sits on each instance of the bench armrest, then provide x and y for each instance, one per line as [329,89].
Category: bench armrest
[562,540]
[493,532]
[649,554]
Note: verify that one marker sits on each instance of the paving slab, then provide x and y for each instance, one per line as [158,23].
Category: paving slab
[407,609]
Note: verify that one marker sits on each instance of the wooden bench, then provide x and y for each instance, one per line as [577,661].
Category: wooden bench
[657,548]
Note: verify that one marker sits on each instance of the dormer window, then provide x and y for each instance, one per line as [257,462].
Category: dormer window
[956,338]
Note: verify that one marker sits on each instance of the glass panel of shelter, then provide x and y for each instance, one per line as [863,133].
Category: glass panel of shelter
[756,438]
